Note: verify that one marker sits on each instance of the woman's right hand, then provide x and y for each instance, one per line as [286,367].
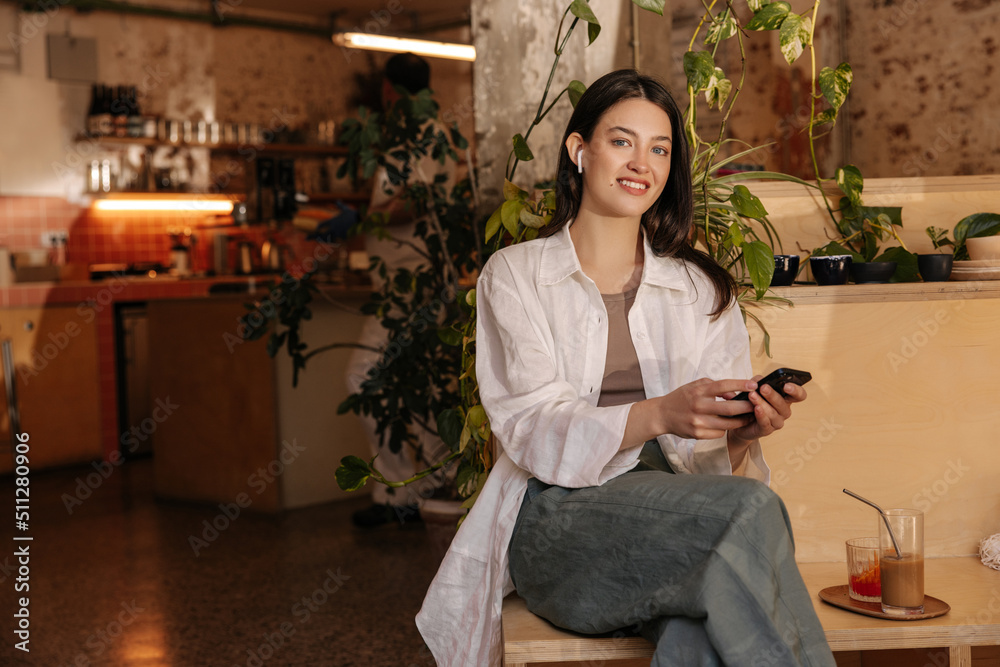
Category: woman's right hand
[691,411]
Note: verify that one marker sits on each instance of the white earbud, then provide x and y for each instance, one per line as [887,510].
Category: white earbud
[579,161]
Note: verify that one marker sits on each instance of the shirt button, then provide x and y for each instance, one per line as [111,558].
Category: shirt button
[641,335]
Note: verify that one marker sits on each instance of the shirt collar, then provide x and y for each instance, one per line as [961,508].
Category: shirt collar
[559,261]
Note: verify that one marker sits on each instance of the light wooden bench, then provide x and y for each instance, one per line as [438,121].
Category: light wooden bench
[971,589]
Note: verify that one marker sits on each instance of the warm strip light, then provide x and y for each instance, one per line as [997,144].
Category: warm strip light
[362,40]
[180,205]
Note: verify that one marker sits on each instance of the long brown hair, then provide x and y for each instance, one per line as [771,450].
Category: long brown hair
[668,222]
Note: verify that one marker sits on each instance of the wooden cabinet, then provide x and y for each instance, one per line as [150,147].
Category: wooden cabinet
[239,431]
[55,361]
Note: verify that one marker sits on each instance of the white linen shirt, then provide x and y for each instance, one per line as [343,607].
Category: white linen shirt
[542,337]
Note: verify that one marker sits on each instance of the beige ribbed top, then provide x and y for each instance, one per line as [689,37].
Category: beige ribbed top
[622,377]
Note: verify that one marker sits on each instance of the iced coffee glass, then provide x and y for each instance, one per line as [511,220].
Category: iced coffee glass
[863,581]
[902,573]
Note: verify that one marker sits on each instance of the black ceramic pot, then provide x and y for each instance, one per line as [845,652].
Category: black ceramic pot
[832,270]
[935,268]
[785,269]
[872,272]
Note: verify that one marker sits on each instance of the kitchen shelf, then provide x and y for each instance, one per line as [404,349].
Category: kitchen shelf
[265,149]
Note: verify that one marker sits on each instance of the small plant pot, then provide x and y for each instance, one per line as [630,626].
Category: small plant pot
[830,270]
[872,272]
[935,268]
[785,269]
[983,247]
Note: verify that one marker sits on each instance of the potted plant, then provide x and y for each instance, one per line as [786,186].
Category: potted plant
[732,224]
[939,266]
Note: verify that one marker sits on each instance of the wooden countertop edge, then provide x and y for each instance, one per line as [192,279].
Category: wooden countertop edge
[68,293]
[883,293]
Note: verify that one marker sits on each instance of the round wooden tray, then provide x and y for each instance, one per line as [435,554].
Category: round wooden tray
[839,597]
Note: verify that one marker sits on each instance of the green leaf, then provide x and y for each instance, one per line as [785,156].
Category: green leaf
[884,215]
[655,6]
[521,150]
[747,204]
[836,83]
[449,424]
[582,11]
[530,220]
[511,191]
[470,297]
[575,90]
[825,116]
[723,27]
[907,270]
[760,263]
[769,17]
[449,336]
[476,418]
[699,67]
[718,89]
[976,225]
[510,213]
[851,183]
[493,224]
[755,5]
[735,235]
[549,200]
[352,473]
[795,36]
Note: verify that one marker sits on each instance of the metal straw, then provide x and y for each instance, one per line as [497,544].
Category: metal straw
[895,545]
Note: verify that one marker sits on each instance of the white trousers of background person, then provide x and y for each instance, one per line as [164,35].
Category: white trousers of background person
[403,464]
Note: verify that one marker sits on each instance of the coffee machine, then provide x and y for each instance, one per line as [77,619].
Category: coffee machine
[275,189]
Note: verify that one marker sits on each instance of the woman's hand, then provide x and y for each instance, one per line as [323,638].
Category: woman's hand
[694,411]
[770,411]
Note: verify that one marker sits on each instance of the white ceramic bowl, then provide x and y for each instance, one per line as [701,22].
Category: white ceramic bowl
[985,247]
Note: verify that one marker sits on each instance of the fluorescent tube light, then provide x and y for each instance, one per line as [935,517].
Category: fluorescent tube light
[362,40]
[177,204]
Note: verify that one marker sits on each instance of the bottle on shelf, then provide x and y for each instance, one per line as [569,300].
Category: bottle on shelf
[105,126]
[119,111]
[135,120]
[94,111]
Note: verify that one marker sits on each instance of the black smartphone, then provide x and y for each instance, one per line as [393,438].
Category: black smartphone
[776,380]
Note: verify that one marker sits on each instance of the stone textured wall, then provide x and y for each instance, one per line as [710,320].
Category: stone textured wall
[923,102]
[926,97]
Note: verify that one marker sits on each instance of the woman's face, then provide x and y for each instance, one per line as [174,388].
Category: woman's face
[626,163]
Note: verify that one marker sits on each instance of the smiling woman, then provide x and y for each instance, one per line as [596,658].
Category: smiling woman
[595,343]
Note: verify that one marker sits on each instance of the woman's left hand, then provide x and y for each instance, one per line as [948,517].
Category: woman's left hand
[771,410]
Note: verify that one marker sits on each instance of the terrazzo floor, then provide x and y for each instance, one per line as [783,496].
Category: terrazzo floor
[117,582]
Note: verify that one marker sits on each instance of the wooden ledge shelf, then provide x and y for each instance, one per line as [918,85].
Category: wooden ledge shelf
[971,589]
[889,292]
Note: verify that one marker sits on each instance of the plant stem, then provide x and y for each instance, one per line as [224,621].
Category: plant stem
[379,477]
[548,84]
